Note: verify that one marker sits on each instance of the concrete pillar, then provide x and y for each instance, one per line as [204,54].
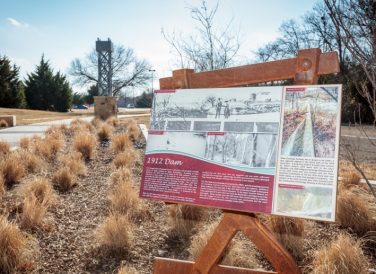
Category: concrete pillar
[105,106]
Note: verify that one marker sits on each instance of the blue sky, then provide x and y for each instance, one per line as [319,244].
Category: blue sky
[67,29]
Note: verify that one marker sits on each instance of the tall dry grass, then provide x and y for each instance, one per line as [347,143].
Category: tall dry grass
[104,132]
[126,159]
[124,200]
[115,234]
[184,218]
[73,160]
[113,121]
[25,143]
[16,248]
[64,180]
[240,252]
[85,143]
[121,175]
[2,186]
[127,270]
[12,170]
[78,126]
[120,142]
[49,147]
[356,211]
[290,233]
[344,255]
[133,131]
[32,162]
[4,148]
[38,197]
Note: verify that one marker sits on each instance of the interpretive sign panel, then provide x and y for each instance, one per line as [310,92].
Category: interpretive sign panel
[223,148]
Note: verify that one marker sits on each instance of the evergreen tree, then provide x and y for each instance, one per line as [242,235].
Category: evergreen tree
[11,88]
[145,100]
[48,91]
[91,92]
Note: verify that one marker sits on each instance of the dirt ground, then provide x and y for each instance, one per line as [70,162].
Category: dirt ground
[67,243]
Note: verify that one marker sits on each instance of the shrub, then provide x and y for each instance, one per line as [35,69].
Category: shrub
[289,232]
[355,212]
[3,123]
[184,218]
[121,175]
[126,159]
[120,142]
[12,170]
[104,133]
[63,179]
[16,248]
[74,162]
[124,200]
[4,148]
[115,234]
[342,256]
[85,143]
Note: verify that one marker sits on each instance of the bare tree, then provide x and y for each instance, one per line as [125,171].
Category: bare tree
[355,20]
[209,48]
[128,70]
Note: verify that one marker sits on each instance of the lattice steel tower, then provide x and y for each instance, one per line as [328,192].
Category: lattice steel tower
[104,49]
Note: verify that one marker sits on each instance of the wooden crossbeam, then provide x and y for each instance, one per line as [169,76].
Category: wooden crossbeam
[306,67]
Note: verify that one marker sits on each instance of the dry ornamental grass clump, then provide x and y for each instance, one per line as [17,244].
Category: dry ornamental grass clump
[64,180]
[133,131]
[73,161]
[124,200]
[127,270]
[85,143]
[2,186]
[290,232]
[12,170]
[120,142]
[355,211]
[113,121]
[184,218]
[25,143]
[16,249]
[115,234]
[32,163]
[41,189]
[239,253]
[49,147]
[121,175]
[4,148]
[96,122]
[126,159]
[342,256]
[104,132]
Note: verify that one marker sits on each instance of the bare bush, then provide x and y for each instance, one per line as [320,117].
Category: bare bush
[115,234]
[64,180]
[85,143]
[342,256]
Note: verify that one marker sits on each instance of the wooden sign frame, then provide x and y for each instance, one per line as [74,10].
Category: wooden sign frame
[304,70]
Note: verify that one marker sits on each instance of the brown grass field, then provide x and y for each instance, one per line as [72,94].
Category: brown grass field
[69,204]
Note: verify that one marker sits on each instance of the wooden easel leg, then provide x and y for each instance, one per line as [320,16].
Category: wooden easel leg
[262,237]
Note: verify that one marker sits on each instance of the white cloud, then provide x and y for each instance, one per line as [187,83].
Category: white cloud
[15,23]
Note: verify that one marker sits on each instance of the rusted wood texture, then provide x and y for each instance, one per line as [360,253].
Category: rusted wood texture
[305,68]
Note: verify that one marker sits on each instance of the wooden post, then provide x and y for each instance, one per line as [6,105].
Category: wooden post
[304,70]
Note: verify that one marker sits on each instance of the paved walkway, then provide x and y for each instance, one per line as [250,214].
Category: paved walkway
[13,135]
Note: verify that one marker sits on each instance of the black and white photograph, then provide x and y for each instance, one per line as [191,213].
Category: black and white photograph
[221,109]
